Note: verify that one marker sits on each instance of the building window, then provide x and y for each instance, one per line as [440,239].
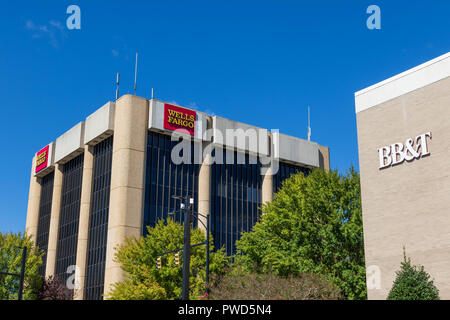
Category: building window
[235,199]
[285,170]
[69,216]
[45,210]
[98,220]
[165,179]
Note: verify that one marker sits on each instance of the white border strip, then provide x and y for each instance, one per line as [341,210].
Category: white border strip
[410,80]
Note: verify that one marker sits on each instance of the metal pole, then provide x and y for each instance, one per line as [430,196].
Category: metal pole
[117,82]
[22,272]
[186,250]
[135,74]
[207,255]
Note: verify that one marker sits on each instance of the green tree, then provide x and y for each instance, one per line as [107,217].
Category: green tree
[11,262]
[313,225]
[413,283]
[145,281]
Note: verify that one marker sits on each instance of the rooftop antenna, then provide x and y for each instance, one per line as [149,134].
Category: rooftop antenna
[135,73]
[309,125]
[117,82]
[153,92]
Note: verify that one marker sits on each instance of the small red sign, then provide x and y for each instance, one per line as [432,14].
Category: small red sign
[42,159]
[176,118]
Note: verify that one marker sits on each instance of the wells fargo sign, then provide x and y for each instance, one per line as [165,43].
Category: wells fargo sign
[42,159]
[176,118]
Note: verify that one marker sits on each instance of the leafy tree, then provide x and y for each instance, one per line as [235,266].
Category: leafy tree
[11,262]
[146,282]
[313,225]
[413,283]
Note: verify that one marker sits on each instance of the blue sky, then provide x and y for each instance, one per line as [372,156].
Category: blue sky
[259,62]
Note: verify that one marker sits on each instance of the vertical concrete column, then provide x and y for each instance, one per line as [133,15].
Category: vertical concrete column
[54,221]
[83,228]
[127,180]
[324,158]
[204,187]
[34,197]
[267,186]
[267,172]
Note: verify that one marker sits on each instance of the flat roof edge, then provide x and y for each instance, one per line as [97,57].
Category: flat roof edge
[404,83]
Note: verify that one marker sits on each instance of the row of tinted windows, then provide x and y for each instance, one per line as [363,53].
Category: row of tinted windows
[286,170]
[45,208]
[165,179]
[235,200]
[69,217]
[98,220]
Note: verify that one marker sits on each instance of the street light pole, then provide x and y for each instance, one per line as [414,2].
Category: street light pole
[22,272]
[207,255]
[187,205]
[21,275]
[186,249]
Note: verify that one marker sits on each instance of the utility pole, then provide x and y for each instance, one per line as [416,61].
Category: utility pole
[21,275]
[22,272]
[187,206]
[186,249]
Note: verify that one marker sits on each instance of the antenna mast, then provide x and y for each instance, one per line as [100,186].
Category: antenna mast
[135,73]
[309,125]
[117,82]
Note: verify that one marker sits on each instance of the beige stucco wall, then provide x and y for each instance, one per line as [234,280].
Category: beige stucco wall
[267,186]
[83,224]
[407,205]
[127,179]
[34,197]
[204,189]
[54,221]
[324,158]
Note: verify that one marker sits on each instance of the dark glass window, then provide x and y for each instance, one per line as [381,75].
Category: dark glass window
[98,220]
[165,179]
[285,170]
[45,209]
[235,199]
[69,216]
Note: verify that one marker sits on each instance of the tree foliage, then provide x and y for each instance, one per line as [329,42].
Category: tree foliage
[11,262]
[413,283]
[313,225]
[145,282]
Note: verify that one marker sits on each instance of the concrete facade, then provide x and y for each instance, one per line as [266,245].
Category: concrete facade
[406,205]
[100,124]
[127,179]
[83,229]
[34,196]
[70,144]
[54,222]
[129,120]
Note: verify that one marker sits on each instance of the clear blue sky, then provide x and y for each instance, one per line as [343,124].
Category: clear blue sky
[260,62]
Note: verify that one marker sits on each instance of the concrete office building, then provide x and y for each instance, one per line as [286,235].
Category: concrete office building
[110,176]
[404,153]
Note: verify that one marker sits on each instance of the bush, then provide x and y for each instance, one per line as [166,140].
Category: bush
[252,286]
[53,289]
[413,283]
